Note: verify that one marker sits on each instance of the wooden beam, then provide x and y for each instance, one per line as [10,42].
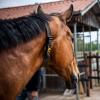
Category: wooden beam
[91,20]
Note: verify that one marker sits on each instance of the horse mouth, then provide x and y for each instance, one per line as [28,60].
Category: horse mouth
[72,83]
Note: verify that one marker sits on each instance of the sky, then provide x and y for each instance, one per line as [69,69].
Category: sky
[13,3]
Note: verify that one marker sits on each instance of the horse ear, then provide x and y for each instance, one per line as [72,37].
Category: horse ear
[67,15]
[39,9]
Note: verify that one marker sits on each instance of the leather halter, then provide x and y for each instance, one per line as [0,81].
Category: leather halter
[49,39]
[48,43]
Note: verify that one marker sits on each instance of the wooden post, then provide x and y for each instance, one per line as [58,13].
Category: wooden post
[75,38]
[83,40]
[90,39]
[97,62]
[90,70]
[87,76]
[44,77]
[77,91]
[97,40]
[97,58]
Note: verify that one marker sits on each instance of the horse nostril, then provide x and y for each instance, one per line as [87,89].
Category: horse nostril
[74,78]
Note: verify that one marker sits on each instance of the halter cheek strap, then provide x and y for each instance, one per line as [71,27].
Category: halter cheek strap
[48,42]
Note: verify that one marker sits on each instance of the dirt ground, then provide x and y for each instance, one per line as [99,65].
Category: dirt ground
[95,95]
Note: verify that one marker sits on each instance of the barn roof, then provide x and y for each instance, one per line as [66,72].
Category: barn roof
[80,6]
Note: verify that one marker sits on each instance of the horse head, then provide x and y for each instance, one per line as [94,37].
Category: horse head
[62,58]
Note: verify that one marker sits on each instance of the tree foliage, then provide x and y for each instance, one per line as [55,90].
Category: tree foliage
[86,46]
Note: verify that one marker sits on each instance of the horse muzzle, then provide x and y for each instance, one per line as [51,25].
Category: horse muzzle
[72,83]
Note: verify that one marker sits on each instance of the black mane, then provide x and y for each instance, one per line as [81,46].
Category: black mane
[22,29]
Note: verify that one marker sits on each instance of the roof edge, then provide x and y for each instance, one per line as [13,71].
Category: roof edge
[88,8]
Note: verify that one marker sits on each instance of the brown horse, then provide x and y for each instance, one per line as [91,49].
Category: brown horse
[22,48]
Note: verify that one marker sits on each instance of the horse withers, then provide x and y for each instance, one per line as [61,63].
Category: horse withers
[22,47]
